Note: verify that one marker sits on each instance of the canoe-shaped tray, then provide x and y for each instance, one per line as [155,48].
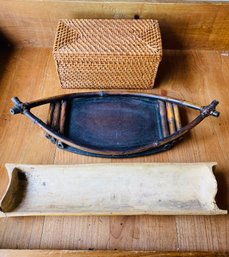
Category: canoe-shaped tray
[111,124]
[110,189]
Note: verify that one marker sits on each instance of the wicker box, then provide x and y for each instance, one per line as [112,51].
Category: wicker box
[107,54]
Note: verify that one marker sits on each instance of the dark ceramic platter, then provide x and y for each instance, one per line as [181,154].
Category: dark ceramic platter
[113,123]
[117,125]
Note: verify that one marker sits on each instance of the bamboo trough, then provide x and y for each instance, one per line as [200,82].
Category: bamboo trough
[111,189]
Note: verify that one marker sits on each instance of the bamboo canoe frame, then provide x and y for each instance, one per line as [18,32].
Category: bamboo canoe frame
[54,131]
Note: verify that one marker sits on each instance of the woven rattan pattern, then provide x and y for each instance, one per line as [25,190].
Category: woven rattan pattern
[107,53]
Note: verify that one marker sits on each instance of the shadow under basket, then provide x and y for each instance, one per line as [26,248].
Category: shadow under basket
[107,54]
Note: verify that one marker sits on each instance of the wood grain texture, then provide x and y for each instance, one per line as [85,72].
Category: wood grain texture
[198,76]
[189,25]
[65,253]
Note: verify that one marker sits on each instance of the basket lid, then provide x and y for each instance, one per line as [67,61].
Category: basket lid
[104,36]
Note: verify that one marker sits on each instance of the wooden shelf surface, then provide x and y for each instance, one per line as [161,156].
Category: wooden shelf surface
[198,76]
[183,24]
[67,253]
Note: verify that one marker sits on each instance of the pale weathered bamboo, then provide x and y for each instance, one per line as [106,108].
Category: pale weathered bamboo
[111,189]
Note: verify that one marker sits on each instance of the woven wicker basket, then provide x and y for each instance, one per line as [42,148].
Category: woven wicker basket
[107,54]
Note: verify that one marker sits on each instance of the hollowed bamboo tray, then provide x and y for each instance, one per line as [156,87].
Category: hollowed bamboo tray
[110,189]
